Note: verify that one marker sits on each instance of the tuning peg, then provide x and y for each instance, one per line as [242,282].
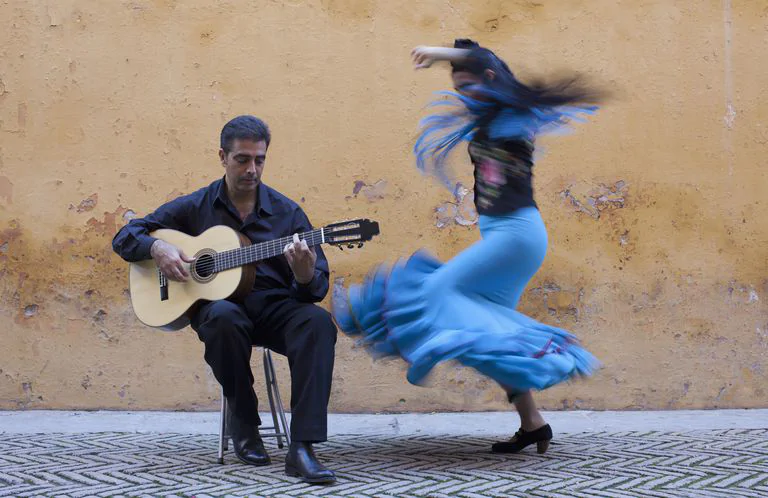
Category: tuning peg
[350,246]
[359,245]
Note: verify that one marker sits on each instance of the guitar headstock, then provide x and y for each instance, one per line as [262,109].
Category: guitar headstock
[351,233]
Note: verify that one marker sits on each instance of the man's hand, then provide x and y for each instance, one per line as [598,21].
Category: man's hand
[170,260]
[301,258]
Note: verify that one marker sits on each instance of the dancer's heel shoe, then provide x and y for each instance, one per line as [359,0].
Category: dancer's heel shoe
[541,436]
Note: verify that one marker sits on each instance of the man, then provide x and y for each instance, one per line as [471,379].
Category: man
[279,312]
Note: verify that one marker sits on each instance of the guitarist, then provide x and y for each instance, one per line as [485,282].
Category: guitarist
[279,313]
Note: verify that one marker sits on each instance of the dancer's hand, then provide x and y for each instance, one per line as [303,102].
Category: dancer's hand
[423,57]
[301,258]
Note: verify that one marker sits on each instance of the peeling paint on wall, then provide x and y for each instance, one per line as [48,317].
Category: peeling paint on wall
[461,211]
[594,200]
[86,204]
[338,291]
[743,293]
[30,310]
[374,192]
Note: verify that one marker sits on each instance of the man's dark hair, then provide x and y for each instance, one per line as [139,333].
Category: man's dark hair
[244,128]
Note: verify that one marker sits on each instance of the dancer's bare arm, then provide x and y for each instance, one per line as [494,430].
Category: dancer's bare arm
[424,57]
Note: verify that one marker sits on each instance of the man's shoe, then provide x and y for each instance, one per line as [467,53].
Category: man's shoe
[302,462]
[247,443]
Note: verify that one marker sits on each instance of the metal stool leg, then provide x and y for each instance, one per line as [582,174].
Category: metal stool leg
[280,410]
[223,440]
[280,427]
[269,376]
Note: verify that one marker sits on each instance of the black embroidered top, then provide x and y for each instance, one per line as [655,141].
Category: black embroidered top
[503,174]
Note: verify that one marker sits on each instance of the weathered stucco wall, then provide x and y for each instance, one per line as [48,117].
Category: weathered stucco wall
[656,209]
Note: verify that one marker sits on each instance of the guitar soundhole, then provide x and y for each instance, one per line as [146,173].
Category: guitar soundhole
[204,266]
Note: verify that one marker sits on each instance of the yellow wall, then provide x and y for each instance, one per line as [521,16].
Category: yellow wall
[656,209]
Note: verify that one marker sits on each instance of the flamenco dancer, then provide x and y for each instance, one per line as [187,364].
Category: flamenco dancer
[427,311]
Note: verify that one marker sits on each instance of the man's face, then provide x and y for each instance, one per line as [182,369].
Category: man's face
[244,164]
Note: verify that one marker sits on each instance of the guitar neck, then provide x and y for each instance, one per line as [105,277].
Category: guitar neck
[263,250]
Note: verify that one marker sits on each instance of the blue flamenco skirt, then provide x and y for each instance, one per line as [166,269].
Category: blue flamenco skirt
[428,312]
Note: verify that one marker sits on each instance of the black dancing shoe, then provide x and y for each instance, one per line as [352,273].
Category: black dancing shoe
[521,439]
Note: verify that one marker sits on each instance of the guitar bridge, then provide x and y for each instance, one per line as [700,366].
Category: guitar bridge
[163,286]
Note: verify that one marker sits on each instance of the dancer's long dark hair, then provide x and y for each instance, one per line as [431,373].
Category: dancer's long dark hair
[507,108]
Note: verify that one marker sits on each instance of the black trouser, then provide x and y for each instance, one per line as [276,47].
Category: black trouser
[303,332]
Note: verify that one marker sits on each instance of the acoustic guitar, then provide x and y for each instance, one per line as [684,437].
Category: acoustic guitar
[224,268]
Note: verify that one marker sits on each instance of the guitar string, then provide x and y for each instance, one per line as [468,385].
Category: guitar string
[260,250]
[265,249]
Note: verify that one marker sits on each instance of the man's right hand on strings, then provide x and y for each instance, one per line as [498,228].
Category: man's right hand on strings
[171,260]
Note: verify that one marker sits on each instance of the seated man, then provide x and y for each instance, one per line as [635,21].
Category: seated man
[279,312]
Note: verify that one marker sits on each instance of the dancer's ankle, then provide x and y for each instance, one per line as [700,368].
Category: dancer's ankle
[534,423]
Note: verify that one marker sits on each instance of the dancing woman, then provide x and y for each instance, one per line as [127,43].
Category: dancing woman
[426,311]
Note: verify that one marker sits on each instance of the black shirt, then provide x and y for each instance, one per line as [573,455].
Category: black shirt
[274,216]
[503,174]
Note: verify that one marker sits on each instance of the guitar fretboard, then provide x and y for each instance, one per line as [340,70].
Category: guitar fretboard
[263,250]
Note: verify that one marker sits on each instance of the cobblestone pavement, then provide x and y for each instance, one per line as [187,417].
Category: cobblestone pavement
[711,463]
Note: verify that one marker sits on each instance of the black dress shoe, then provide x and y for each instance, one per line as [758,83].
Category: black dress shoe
[521,439]
[247,443]
[302,462]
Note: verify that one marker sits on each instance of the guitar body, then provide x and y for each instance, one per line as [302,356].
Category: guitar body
[224,268]
[182,299]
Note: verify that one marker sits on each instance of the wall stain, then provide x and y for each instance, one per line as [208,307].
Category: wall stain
[28,396]
[171,196]
[9,235]
[355,9]
[22,116]
[562,305]
[6,189]
[108,226]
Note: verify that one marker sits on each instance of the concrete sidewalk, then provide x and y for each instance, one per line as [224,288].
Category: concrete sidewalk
[470,424]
